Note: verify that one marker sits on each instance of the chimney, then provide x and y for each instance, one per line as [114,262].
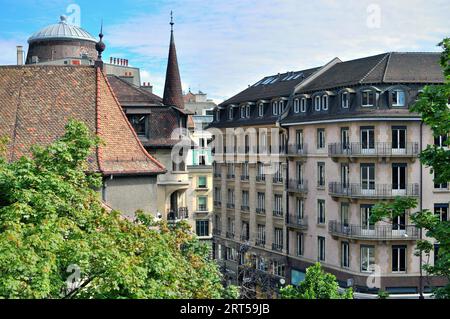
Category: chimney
[147,87]
[19,55]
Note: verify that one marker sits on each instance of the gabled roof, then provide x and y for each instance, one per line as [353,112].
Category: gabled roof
[129,94]
[271,86]
[36,102]
[393,67]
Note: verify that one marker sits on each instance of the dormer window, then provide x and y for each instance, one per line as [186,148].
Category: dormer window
[247,111]
[261,109]
[368,98]
[296,105]
[325,102]
[242,112]
[303,105]
[230,113]
[398,98]
[280,107]
[275,108]
[345,100]
[317,103]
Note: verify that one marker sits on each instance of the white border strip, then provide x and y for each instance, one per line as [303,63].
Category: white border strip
[368,119]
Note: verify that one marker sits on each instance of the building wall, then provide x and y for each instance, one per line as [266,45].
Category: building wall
[129,194]
[56,50]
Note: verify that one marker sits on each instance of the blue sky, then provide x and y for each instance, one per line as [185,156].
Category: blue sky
[224,46]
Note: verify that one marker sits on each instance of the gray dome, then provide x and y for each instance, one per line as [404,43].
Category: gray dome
[61,31]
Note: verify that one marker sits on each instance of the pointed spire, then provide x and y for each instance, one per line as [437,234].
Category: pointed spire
[100,47]
[173,93]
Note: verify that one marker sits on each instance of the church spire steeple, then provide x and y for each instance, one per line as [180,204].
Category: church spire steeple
[173,93]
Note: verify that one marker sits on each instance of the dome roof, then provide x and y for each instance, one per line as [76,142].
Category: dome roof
[61,31]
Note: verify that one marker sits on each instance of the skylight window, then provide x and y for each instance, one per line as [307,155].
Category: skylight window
[297,76]
[267,81]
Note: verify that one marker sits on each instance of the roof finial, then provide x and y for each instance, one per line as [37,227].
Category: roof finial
[171,21]
[100,47]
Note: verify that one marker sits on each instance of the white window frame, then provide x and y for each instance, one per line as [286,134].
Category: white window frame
[321,248]
[296,106]
[345,100]
[261,109]
[242,112]
[368,99]
[300,244]
[230,114]
[247,111]
[325,100]
[303,105]
[345,254]
[275,108]
[397,93]
[365,255]
[317,103]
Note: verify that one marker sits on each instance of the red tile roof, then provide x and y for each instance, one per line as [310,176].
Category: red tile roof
[37,101]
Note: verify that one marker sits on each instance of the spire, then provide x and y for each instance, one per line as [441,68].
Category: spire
[173,93]
[100,47]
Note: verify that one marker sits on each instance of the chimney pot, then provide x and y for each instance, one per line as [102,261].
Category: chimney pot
[19,55]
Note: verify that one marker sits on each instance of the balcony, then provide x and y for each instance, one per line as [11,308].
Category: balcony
[375,191]
[260,242]
[260,178]
[277,247]
[337,150]
[277,180]
[278,214]
[245,178]
[298,186]
[230,235]
[217,232]
[217,203]
[297,222]
[385,232]
[245,237]
[245,209]
[231,176]
[178,215]
[261,211]
[297,150]
[217,175]
[230,206]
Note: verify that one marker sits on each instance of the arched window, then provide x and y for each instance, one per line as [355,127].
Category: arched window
[325,102]
[317,103]
[296,105]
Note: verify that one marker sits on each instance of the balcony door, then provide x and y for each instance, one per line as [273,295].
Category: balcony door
[399,140]
[399,226]
[345,139]
[299,140]
[299,173]
[368,179]
[345,176]
[399,179]
[367,227]
[367,140]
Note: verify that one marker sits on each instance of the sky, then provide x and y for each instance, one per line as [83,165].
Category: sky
[224,46]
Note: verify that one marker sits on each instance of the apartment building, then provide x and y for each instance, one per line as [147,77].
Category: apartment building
[347,141]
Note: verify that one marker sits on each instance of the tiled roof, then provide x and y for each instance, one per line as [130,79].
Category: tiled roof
[128,93]
[173,92]
[271,86]
[36,103]
[391,67]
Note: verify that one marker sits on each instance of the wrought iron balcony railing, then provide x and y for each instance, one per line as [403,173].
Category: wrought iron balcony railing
[217,203]
[230,235]
[277,247]
[278,180]
[372,190]
[375,232]
[217,232]
[261,211]
[231,176]
[377,149]
[245,178]
[180,214]
[230,206]
[297,150]
[278,214]
[245,208]
[298,222]
[260,178]
[298,186]
[260,242]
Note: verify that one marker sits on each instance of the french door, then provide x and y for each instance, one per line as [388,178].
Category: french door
[399,179]
[399,140]
[368,179]
[368,140]
[367,227]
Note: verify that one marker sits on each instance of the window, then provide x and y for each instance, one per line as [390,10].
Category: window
[321,248]
[367,259]
[399,177]
[367,177]
[230,114]
[300,244]
[320,175]
[299,173]
[367,139]
[261,109]
[399,222]
[278,175]
[278,237]
[275,108]
[325,102]
[345,138]
[441,211]
[202,182]
[261,264]
[303,105]
[398,98]
[368,98]
[399,259]
[436,253]
[299,139]
[245,200]
[230,197]
[345,175]
[440,186]
[230,225]
[317,103]
[261,205]
[245,171]
[366,222]
[217,194]
[320,138]
[217,115]
[261,235]
[345,254]
[280,107]
[247,111]
[245,229]
[296,105]
[279,269]
[242,112]
[345,100]
[139,123]
[345,214]
[202,228]
[441,141]
[230,170]
[398,139]
[202,202]
[278,205]
[260,174]
[321,211]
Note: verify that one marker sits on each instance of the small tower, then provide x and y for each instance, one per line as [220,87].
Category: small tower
[100,47]
[173,93]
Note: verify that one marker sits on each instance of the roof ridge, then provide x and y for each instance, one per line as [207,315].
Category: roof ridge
[376,65]
[154,160]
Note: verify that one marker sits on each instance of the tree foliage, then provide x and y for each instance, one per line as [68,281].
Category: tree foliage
[433,107]
[317,285]
[52,221]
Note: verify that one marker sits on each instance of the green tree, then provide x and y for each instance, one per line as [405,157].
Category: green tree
[52,222]
[433,107]
[317,285]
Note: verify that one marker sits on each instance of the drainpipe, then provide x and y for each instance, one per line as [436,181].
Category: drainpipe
[421,208]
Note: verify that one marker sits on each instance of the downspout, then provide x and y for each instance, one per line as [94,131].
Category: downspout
[421,209]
